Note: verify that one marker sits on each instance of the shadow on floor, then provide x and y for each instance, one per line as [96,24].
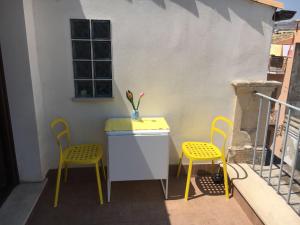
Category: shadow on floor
[208,187]
[134,203]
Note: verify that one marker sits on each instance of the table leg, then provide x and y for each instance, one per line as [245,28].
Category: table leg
[108,189]
[165,187]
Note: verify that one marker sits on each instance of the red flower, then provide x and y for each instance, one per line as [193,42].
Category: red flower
[129,96]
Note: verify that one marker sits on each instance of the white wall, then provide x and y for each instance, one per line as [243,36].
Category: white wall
[19,87]
[36,83]
[182,54]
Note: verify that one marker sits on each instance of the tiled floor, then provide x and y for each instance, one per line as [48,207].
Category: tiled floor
[136,203]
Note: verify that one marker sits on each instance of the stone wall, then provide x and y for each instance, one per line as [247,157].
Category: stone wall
[246,116]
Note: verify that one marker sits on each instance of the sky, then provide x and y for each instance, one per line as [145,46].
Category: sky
[292,5]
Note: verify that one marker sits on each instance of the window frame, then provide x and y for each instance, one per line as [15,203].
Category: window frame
[93,77]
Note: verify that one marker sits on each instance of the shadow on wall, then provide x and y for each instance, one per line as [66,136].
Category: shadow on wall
[52,33]
[86,120]
[51,20]
[85,126]
[245,9]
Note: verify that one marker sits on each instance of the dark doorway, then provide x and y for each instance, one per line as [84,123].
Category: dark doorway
[9,177]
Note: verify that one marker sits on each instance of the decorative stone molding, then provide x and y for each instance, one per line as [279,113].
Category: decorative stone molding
[246,113]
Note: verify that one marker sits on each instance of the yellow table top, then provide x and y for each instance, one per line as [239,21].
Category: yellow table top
[127,124]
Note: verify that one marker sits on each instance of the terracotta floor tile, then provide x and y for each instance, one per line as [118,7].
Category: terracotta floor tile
[136,203]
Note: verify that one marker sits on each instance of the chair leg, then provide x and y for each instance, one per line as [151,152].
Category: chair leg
[225,178]
[57,184]
[99,183]
[179,164]
[66,173]
[103,169]
[188,181]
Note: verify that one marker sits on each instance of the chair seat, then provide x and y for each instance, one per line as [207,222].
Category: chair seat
[201,150]
[83,154]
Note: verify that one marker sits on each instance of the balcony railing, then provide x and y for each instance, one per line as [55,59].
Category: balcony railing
[281,169]
[277,64]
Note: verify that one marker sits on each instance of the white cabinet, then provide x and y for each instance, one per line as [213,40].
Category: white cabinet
[137,155]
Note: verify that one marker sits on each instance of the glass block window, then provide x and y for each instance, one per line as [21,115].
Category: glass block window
[92,61]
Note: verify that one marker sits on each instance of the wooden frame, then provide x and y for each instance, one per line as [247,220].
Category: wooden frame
[272,3]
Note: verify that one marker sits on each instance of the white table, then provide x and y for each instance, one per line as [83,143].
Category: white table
[137,150]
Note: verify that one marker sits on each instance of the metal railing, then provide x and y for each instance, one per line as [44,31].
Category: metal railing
[277,64]
[264,171]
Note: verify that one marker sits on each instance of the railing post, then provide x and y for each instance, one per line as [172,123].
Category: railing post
[293,169]
[284,148]
[265,138]
[257,132]
[274,141]
[284,143]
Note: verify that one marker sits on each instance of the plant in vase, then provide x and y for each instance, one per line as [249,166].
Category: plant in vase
[135,109]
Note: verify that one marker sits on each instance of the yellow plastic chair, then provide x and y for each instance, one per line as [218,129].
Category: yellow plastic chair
[196,151]
[83,154]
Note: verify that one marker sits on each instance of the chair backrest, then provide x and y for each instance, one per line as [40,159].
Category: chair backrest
[214,129]
[61,132]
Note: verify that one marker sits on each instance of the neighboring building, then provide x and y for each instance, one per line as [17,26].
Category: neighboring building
[283,55]
[284,66]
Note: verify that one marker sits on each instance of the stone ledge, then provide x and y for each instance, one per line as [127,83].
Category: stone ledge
[20,203]
[259,83]
[267,204]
